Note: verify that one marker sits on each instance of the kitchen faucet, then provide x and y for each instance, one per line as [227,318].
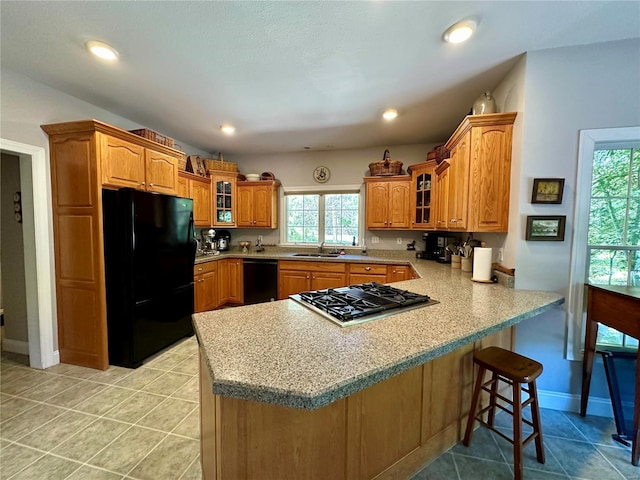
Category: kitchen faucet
[259,245]
[321,247]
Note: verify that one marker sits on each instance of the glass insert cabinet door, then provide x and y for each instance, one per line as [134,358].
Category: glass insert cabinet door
[224,201]
[423,199]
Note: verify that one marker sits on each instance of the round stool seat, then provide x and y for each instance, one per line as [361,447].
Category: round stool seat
[508,364]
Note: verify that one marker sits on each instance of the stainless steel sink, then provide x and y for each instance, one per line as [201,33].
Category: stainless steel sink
[317,255]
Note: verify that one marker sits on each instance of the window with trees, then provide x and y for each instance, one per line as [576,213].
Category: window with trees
[332,218]
[613,243]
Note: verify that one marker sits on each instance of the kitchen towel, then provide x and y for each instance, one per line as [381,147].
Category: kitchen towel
[482,264]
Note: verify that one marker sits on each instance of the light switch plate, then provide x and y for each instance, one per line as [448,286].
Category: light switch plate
[375,239]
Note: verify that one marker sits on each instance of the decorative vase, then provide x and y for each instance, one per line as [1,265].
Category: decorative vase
[484,104]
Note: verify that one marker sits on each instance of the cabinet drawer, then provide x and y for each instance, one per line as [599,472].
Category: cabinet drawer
[369,269]
[312,266]
[205,267]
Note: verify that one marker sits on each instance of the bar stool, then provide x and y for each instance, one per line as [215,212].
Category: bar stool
[515,370]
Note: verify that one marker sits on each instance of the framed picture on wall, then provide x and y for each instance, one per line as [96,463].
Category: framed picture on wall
[547,190]
[546,228]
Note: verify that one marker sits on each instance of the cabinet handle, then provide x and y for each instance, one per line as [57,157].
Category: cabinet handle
[367,268]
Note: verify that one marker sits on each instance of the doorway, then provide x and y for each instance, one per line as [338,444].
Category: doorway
[37,232]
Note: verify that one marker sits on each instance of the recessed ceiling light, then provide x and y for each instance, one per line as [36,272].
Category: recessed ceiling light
[102,50]
[460,32]
[390,114]
[227,129]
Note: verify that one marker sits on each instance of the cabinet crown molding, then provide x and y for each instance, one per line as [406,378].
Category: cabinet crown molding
[487,120]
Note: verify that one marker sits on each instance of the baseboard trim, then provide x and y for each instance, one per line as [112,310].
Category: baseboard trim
[598,406]
[15,346]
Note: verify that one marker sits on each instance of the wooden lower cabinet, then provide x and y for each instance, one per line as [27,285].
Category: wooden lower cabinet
[387,431]
[230,274]
[364,273]
[205,287]
[295,276]
[399,273]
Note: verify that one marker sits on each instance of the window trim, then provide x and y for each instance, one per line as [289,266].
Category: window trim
[590,141]
[318,190]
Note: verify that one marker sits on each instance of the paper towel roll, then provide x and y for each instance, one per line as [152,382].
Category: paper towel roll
[482,264]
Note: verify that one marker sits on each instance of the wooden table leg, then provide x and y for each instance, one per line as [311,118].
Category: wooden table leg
[635,450]
[589,354]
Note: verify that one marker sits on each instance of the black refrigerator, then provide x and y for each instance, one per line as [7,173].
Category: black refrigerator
[149,249]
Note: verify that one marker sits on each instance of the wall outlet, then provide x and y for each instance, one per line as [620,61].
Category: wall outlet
[375,239]
[501,254]
[399,240]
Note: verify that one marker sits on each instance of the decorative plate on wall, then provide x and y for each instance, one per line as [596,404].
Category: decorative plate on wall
[321,174]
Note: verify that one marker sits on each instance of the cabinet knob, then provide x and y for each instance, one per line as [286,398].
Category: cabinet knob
[143,184]
[367,268]
[151,184]
[307,277]
[199,269]
[394,272]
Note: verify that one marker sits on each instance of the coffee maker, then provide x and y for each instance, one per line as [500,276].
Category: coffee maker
[435,247]
[223,239]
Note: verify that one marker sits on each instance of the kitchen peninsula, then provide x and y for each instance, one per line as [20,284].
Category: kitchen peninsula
[285,393]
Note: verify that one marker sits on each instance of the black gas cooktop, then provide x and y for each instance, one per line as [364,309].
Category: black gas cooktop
[361,303]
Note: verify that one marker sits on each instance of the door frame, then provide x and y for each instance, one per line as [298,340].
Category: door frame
[37,239]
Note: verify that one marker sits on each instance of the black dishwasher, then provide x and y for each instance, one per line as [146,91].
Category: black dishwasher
[260,280]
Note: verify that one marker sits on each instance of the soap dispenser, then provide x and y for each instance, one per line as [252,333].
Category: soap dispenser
[364,247]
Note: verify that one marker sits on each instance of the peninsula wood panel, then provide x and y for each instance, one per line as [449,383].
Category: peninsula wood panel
[77,227]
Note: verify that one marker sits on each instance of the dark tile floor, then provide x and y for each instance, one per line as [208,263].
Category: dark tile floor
[575,448]
[76,423]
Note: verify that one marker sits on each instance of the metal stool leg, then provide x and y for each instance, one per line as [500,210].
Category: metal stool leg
[474,407]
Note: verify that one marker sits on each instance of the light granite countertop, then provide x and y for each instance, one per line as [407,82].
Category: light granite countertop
[285,354]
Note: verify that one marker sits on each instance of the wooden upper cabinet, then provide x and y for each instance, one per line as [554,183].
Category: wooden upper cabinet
[258,204]
[224,191]
[388,202]
[161,172]
[459,185]
[201,193]
[182,186]
[423,196]
[442,192]
[123,163]
[479,183]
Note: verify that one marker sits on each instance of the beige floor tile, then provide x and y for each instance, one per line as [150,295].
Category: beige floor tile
[189,391]
[167,383]
[89,441]
[112,375]
[75,395]
[49,435]
[168,460]
[29,380]
[28,421]
[167,415]
[189,366]
[194,471]
[12,372]
[13,406]
[165,361]
[72,371]
[90,473]
[50,388]
[127,450]
[186,347]
[105,400]
[14,458]
[190,426]
[139,378]
[9,359]
[135,407]
[48,467]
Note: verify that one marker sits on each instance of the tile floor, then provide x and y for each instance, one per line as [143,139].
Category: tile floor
[75,423]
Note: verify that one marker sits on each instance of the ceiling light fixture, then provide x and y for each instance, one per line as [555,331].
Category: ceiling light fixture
[102,50]
[460,32]
[227,129]
[390,114]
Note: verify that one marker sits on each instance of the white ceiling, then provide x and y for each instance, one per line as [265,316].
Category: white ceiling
[292,74]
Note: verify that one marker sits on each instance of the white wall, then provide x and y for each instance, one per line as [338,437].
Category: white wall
[561,92]
[12,254]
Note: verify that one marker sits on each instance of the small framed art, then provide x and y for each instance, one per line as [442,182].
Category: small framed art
[546,228]
[547,190]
